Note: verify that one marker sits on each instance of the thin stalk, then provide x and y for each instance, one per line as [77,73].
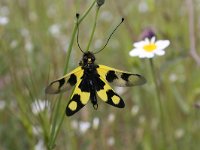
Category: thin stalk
[161,112]
[54,130]
[93,29]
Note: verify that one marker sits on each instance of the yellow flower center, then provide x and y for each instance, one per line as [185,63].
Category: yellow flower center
[150,47]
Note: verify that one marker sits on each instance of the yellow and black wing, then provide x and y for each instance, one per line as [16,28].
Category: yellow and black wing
[107,94]
[79,98]
[65,82]
[120,78]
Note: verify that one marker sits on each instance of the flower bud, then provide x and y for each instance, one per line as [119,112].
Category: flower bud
[100,2]
[147,33]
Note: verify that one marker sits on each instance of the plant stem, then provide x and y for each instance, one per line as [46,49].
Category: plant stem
[56,126]
[161,112]
[93,29]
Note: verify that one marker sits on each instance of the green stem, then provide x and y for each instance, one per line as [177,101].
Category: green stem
[161,112]
[93,29]
[54,130]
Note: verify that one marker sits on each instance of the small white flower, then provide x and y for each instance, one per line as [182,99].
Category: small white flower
[142,119]
[3,20]
[28,45]
[14,44]
[143,7]
[96,123]
[74,124]
[149,47]
[54,29]
[106,16]
[179,133]
[111,141]
[173,77]
[40,145]
[2,104]
[135,109]
[84,126]
[111,118]
[39,106]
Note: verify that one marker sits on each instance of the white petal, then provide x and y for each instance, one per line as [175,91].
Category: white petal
[147,41]
[150,55]
[153,39]
[160,52]
[162,44]
[134,52]
[139,44]
[146,55]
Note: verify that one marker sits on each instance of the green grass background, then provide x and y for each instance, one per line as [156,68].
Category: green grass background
[33,50]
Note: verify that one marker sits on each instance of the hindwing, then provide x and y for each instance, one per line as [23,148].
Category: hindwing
[120,78]
[78,99]
[66,82]
[107,94]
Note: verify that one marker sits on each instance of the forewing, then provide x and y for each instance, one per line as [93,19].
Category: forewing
[78,99]
[65,82]
[120,78]
[107,94]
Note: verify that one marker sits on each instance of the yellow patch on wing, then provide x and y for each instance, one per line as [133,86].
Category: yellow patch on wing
[78,100]
[108,95]
[66,82]
[84,96]
[76,71]
[102,93]
[115,99]
[103,70]
[73,105]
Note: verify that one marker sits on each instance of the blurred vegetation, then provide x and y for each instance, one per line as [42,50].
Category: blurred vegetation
[34,40]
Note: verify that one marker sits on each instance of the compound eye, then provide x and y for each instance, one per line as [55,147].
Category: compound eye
[85,58]
[93,59]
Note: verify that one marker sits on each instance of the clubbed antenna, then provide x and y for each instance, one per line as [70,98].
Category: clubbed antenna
[110,36]
[77,23]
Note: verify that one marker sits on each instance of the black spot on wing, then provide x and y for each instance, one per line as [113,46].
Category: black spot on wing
[72,80]
[110,94]
[125,76]
[61,82]
[84,85]
[99,84]
[110,76]
[75,98]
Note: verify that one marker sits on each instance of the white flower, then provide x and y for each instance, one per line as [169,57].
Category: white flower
[74,124]
[54,29]
[2,104]
[179,133]
[111,141]
[84,126]
[3,20]
[149,47]
[143,7]
[135,109]
[96,123]
[39,106]
[111,118]
[40,145]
